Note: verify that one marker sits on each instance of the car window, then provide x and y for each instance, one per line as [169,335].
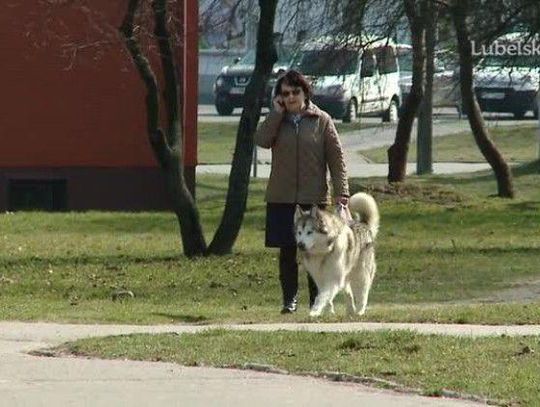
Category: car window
[405,59]
[386,60]
[368,64]
[248,59]
[326,62]
[284,56]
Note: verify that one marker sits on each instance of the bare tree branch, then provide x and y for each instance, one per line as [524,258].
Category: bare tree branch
[168,155]
[492,155]
[237,192]
[147,74]
[169,69]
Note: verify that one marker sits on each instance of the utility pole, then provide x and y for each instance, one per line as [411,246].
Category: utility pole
[252,21]
[424,135]
[538,107]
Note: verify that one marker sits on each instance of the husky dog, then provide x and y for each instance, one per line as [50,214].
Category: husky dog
[337,255]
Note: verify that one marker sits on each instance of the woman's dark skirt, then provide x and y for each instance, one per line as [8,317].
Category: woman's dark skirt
[280,224]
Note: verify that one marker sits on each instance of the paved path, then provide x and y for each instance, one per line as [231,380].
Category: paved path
[379,136]
[27,380]
[357,168]
[384,134]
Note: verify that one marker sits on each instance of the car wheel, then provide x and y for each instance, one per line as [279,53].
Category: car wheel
[392,113]
[351,113]
[224,108]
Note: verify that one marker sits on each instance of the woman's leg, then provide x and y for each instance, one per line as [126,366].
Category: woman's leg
[288,277]
[313,291]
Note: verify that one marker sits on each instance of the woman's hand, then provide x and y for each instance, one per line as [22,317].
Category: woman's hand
[279,105]
[343,200]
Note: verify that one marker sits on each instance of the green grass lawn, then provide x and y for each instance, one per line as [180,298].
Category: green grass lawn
[443,247]
[502,368]
[216,140]
[518,143]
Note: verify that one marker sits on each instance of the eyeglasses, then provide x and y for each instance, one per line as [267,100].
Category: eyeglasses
[295,92]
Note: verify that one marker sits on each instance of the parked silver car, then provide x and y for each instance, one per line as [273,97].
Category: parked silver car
[508,87]
[445,79]
[231,83]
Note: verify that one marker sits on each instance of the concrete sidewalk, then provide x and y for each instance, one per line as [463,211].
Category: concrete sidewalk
[27,380]
[358,168]
[354,142]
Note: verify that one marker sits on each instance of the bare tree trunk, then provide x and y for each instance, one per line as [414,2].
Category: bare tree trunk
[397,153]
[501,169]
[167,146]
[237,193]
[424,136]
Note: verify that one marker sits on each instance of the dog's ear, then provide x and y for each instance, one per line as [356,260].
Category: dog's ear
[315,212]
[297,213]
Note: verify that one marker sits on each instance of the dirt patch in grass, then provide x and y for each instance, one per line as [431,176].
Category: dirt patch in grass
[522,291]
[405,191]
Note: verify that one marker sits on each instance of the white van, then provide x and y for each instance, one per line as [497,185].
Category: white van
[509,83]
[349,80]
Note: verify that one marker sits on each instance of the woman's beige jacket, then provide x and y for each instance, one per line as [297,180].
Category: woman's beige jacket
[301,155]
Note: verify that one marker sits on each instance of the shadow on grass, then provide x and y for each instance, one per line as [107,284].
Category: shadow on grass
[526,206]
[192,319]
[467,250]
[108,261]
[529,168]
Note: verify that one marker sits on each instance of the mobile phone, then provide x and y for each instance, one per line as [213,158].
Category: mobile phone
[280,101]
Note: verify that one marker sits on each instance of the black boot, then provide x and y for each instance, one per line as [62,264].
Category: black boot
[288,277]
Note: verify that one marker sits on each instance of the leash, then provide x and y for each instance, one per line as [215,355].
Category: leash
[344,213]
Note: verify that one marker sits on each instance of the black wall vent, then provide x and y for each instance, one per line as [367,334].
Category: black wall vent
[47,195]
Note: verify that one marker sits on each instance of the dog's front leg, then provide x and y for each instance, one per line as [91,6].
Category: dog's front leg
[319,304]
[325,297]
[331,307]
[349,300]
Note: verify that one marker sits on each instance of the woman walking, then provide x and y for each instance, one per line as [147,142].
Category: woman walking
[304,144]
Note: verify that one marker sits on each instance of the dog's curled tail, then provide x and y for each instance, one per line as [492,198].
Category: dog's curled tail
[365,205]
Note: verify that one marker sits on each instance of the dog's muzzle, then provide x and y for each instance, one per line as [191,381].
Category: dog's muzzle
[301,245]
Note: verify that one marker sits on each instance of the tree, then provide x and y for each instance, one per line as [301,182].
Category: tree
[460,10]
[237,193]
[397,153]
[167,143]
[492,19]
[482,21]
[424,137]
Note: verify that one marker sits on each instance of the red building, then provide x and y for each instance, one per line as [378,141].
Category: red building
[72,127]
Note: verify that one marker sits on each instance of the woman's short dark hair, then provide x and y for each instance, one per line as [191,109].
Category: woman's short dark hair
[294,79]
